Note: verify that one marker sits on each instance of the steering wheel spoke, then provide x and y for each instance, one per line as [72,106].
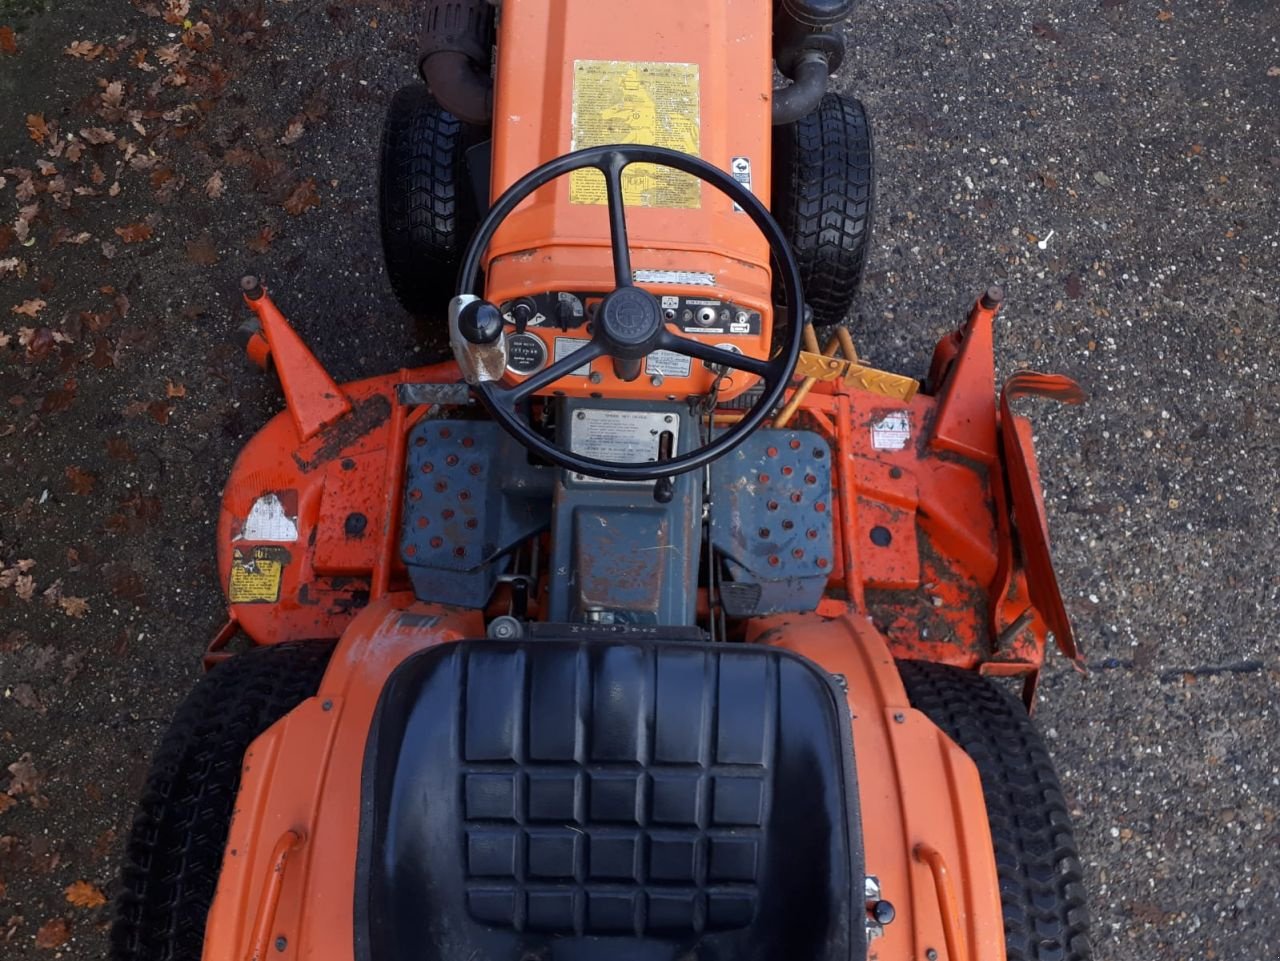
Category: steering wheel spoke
[612,167]
[561,368]
[715,355]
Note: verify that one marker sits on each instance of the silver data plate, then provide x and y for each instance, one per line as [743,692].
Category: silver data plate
[621,436]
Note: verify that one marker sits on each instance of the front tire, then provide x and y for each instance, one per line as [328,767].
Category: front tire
[174,853]
[824,198]
[1041,887]
[426,202]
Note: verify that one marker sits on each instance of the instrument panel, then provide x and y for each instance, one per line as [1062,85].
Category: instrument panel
[546,327]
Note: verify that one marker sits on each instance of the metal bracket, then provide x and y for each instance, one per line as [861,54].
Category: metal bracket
[438,395]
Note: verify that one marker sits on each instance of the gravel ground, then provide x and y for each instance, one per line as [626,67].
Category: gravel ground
[1114,163]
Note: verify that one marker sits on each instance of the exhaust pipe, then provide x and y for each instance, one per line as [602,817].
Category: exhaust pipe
[456,57]
[808,48]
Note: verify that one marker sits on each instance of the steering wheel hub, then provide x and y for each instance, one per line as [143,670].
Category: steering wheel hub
[629,321]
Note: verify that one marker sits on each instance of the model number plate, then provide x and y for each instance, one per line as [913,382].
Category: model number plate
[622,436]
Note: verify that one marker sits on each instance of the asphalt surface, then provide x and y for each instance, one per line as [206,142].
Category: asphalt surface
[1113,163]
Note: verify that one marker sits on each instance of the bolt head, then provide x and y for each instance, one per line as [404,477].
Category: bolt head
[900,718]
[281,943]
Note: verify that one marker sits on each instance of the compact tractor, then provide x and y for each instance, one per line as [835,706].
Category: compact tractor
[654,624]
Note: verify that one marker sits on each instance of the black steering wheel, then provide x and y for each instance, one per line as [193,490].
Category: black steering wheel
[628,325]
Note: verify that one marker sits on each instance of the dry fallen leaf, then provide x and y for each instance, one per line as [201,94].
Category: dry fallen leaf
[292,133]
[134,233]
[82,481]
[85,895]
[174,390]
[261,240]
[84,49]
[302,198]
[26,779]
[175,11]
[30,308]
[53,934]
[202,251]
[6,802]
[74,606]
[113,93]
[98,135]
[8,41]
[214,186]
[1164,15]
[37,127]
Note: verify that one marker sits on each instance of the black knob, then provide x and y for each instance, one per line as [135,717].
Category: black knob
[524,311]
[480,322]
[883,912]
[564,314]
[664,488]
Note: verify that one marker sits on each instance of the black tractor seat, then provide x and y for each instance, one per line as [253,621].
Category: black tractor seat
[571,800]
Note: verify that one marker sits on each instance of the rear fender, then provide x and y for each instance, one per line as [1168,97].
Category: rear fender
[917,789]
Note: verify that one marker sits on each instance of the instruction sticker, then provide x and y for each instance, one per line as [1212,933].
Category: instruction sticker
[667,363]
[892,431]
[568,345]
[626,102]
[256,573]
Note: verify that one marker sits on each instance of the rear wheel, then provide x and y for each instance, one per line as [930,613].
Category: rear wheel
[824,198]
[426,202]
[1041,889]
[175,848]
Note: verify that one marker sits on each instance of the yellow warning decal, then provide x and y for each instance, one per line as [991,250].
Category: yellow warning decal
[620,101]
[256,573]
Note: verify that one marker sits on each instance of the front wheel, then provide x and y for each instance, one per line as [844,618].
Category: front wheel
[426,201]
[824,198]
[1041,888]
[174,854]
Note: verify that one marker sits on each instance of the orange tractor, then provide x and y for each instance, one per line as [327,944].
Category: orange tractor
[649,626]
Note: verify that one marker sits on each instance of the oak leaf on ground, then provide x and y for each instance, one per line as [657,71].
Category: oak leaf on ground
[76,607]
[85,895]
[84,49]
[302,198]
[134,233]
[53,934]
[37,127]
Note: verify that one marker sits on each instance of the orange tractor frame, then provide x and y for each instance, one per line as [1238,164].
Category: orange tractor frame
[937,552]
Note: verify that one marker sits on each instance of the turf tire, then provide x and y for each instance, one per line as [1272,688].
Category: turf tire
[174,853]
[426,203]
[1041,888]
[824,198]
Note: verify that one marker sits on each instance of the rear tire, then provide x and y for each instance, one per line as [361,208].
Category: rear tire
[1041,888]
[175,848]
[426,202]
[824,198]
